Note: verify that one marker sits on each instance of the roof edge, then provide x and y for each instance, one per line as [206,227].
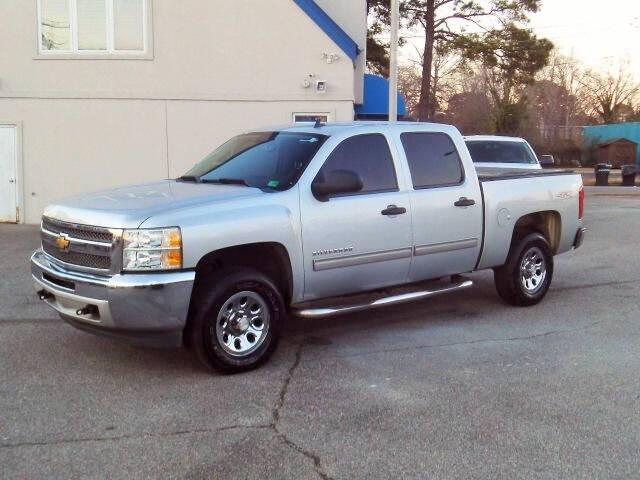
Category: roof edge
[330,27]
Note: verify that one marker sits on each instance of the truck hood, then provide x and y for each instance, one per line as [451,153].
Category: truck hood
[128,207]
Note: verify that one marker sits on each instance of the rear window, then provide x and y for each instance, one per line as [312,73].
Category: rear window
[486,151]
[433,159]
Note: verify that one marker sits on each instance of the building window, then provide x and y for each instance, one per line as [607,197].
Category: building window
[311,117]
[93,26]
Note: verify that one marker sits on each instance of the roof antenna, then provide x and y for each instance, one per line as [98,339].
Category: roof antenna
[318,123]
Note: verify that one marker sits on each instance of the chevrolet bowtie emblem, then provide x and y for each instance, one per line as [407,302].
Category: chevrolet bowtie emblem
[62,243]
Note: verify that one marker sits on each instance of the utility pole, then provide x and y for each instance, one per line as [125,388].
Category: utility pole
[393,63]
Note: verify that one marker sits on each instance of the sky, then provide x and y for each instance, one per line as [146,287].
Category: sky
[600,33]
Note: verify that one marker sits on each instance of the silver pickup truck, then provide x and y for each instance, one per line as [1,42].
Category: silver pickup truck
[309,221]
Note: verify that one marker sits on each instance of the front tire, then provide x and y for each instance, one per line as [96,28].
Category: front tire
[525,279]
[237,327]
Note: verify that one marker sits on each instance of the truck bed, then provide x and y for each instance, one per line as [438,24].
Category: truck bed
[509,194]
[494,174]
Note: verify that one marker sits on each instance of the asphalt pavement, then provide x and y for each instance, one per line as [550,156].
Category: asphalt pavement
[460,386]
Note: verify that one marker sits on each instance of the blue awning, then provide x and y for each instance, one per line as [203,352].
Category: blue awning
[376,98]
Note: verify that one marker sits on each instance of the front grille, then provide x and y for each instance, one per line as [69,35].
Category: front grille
[81,259]
[94,234]
[88,247]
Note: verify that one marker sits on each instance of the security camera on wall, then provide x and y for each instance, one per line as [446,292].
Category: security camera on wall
[321,86]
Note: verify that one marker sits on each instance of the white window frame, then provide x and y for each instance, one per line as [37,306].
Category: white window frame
[110,52]
[310,114]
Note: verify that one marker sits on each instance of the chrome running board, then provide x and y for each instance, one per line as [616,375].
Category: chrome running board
[329,311]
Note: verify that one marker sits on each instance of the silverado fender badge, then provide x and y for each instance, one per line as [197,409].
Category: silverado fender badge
[332,251]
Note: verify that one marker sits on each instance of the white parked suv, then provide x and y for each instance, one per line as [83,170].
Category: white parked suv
[493,151]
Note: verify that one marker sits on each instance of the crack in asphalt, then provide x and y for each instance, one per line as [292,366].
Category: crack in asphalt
[317,463]
[133,436]
[469,342]
[273,426]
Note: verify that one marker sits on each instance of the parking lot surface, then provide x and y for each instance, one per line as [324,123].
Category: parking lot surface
[460,386]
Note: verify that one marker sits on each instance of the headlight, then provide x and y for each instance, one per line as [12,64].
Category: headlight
[159,249]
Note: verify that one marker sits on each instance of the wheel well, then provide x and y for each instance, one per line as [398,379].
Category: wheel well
[547,223]
[270,259]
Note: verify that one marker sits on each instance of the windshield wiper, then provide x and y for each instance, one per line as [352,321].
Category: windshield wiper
[226,181]
[188,178]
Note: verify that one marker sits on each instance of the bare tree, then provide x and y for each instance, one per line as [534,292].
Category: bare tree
[447,67]
[469,107]
[556,103]
[409,86]
[610,94]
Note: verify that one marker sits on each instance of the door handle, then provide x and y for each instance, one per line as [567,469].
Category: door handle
[393,210]
[465,202]
[11,180]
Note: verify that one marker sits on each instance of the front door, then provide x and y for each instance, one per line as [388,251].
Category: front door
[8,165]
[361,241]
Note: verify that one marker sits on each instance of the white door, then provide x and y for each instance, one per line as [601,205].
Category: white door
[8,166]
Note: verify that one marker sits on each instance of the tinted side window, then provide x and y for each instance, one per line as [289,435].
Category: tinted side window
[369,157]
[433,159]
[500,152]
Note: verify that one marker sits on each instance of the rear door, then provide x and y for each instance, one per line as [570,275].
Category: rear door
[446,205]
[357,242]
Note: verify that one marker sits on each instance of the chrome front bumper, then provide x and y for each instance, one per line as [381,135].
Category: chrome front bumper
[146,308]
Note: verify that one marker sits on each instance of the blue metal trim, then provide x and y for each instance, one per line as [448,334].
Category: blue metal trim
[328,26]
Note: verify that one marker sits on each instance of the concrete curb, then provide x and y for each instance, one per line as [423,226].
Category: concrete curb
[613,191]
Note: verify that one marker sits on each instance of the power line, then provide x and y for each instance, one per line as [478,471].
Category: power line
[533,30]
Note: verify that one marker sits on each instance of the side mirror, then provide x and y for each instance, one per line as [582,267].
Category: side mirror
[334,183]
[547,160]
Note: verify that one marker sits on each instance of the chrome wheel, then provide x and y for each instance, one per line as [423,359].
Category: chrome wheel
[243,323]
[533,270]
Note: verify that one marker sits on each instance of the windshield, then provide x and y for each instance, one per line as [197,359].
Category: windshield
[266,160]
[486,151]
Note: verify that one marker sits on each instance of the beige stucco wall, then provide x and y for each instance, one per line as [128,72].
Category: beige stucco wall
[216,69]
[189,141]
[202,49]
[72,146]
[351,15]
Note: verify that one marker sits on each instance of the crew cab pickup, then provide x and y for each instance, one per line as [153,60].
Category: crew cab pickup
[307,221]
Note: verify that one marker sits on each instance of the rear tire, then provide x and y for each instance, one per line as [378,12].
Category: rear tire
[237,325]
[525,279]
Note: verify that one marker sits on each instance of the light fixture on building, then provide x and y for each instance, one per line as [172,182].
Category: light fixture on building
[330,57]
[306,83]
